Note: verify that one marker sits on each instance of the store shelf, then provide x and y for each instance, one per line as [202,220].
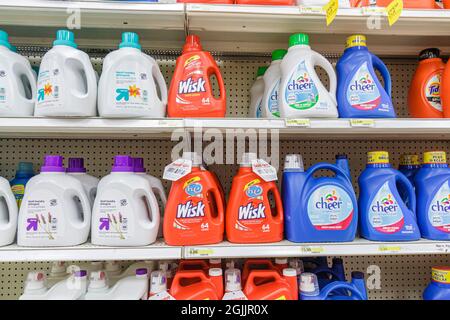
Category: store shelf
[89,252]
[289,249]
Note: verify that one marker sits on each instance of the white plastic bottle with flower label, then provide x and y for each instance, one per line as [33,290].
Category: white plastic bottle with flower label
[302,94]
[256,94]
[272,78]
[55,209]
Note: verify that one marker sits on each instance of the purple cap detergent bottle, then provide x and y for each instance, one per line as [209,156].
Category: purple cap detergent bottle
[53,163]
[76,165]
[138,164]
[123,163]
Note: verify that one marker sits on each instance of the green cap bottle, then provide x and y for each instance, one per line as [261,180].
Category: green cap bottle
[278,54]
[298,39]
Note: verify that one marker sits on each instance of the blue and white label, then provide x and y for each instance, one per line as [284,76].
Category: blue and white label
[362,91]
[131,90]
[439,209]
[301,92]
[272,100]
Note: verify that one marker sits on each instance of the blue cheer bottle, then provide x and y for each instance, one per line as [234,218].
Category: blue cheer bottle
[384,216]
[359,92]
[409,165]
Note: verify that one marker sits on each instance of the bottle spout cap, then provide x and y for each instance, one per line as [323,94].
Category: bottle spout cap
[53,163]
[138,165]
[294,161]
[194,157]
[123,164]
[65,38]
[4,40]
[309,285]
[130,40]
[76,165]
[192,44]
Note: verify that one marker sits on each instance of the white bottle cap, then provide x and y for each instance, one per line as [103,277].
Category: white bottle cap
[58,267]
[297,264]
[158,282]
[309,284]
[294,161]
[247,159]
[289,272]
[233,280]
[281,261]
[35,281]
[97,280]
[215,272]
[215,261]
[112,267]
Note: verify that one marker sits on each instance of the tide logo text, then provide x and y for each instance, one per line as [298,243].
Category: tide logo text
[250,212]
[189,210]
[191,86]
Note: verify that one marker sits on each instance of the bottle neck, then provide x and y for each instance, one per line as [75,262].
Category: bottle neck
[409,166]
[435,165]
[24,174]
[364,48]
[379,165]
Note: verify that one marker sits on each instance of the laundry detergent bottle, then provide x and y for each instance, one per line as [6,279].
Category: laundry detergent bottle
[67,85]
[125,211]
[55,209]
[360,93]
[195,210]
[302,94]
[424,97]
[77,170]
[384,216]
[8,213]
[445,91]
[17,82]
[322,209]
[409,166]
[439,287]
[24,173]
[433,196]
[130,83]
[191,92]
[272,78]
[256,95]
[250,216]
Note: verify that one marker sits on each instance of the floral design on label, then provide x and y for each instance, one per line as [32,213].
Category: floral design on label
[252,213]
[433,91]
[48,88]
[301,92]
[385,215]
[131,90]
[114,221]
[272,100]
[439,209]
[362,91]
[43,217]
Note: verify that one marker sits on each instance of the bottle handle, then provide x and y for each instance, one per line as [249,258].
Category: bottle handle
[410,190]
[32,80]
[262,273]
[214,70]
[160,81]
[340,285]
[152,203]
[11,204]
[321,61]
[158,188]
[91,80]
[188,275]
[85,206]
[380,66]
[220,206]
[326,166]
[278,204]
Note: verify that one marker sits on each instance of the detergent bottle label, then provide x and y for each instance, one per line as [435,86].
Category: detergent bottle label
[42,219]
[330,208]
[432,91]
[192,89]
[362,91]
[3,88]
[439,209]
[162,296]
[272,102]
[49,88]
[385,215]
[18,191]
[234,295]
[301,92]
[114,218]
[131,90]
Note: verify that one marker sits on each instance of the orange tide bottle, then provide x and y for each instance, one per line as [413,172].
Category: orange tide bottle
[424,97]
[194,213]
[191,93]
[249,216]
[445,91]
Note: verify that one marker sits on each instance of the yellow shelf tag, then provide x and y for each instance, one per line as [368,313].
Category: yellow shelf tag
[313,250]
[389,248]
[298,123]
[394,11]
[366,123]
[200,252]
[331,9]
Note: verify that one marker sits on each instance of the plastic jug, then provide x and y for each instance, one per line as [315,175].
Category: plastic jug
[272,78]
[326,274]
[250,217]
[195,210]
[424,97]
[256,264]
[77,170]
[256,94]
[196,285]
[71,288]
[233,286]
[125,211]
[191,93]
[128,288]
[17,83]
[55,209]
[114,271]
[130,83]
[59,270]
[195,264]
[158,286]
[337,290]
[67,85]
[412,4]
[360,93]
[445,91]
[446,4]
[439,287]
[384,215]
[320,209]
[433,196]
[8,213]
[23,174]
[302,94]
[409,165]
[271,285]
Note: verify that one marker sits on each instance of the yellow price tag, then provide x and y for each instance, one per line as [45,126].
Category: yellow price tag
[298,123]
[362,122]
[389,248]
[331,9]
[313,250]
[394,11]
[200,252]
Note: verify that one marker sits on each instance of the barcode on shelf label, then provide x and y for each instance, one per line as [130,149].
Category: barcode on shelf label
[311,10]
[200,252]
[394,249]
[264,170]
[177,169]
[373,11]
[443,247]
[313,250]
[298,123]
[365,123]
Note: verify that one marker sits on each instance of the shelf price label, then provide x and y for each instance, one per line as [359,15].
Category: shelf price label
[311,10]
[443,247]
[394,11]
[312,249]
[389,249]
[364,123]
[373,11]
[298,123]
[200,252]
[331,9]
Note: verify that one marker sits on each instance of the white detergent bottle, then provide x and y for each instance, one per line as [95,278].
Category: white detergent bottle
[233,286]
[77,170]
[134,287]
[114,271]
[302,94]
[125,211]
[256,94]
[158,286]
[55,209]
[67,85]
[8,213]
[131,84]
[17,83]
[272,78]
[60,271]
[71,288]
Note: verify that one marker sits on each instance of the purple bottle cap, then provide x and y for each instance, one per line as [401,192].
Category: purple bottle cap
[53,163]
[141,271]
[123,164]
[138,164]
[80,273]
[76,165]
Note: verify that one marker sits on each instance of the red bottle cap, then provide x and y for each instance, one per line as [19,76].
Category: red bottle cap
[192,44]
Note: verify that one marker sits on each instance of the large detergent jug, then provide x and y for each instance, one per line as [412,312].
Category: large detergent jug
[8,213]
[360,93]
[55,209]
[77,170]
[59,270]
[256,264]
[445,91]
[271,285]
[433,196]
[439,287]
[320,209]
[191,93]
[17,82]
[272,78]
[412,4]
[67,85]
[195,210]
[326,274]
[256,94]
[196,285]
[114,271]
[125,211]
[23,174]
[130,83]
[409,165]
[384,216]
[233,285]
[424,97]
[158,286]
[302,94]
[250,217]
